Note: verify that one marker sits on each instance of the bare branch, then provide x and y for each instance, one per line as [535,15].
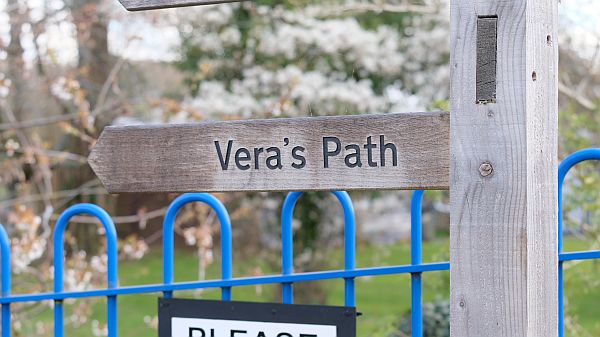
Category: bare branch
[45,187]
[579,98]
[112,76]
[125,219]
[17,125]
[37,122]
[27,199]
[60,155]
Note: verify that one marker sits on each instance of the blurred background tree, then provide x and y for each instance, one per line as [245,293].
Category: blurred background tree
[68,68]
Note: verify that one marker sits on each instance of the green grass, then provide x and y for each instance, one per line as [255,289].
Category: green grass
[381,300]
[582,292]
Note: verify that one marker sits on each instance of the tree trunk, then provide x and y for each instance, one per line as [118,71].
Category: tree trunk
[93,68]
[94,63]
[16,68]
[16,64]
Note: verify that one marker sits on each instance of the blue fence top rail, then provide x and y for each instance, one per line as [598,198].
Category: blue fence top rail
[227,281]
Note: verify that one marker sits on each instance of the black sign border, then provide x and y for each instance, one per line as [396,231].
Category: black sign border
[344,318]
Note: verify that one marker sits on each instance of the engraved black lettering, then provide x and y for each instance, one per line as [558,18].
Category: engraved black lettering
[257,151]
[389,146]
[370,146]
[284,334]
[327,153]
[353,159]
[261,334]
[234,332]
[274,157]
[242,154]
[224,162]
[307,335]
[299,157]
[193,334]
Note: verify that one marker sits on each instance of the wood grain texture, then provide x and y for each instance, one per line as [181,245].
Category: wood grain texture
[184,157]
[140,5]
[503,237]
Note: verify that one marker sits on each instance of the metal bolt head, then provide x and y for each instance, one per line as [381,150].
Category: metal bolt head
[486,169]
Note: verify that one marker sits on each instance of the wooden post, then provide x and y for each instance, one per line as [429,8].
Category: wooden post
[503,168]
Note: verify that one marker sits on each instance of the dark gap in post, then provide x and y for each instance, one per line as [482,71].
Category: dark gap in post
[487,16]
[487,53]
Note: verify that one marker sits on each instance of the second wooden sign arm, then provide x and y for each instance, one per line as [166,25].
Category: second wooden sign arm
[140,5]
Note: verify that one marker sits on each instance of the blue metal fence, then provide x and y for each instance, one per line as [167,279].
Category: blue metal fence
[563,169]
[169,239]
[287,279]
[59,268]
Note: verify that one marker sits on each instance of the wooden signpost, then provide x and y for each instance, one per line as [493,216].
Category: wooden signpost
[497,154]
[503,169]
[391,151]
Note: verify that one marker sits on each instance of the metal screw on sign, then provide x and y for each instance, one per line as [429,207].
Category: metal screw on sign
[486,169]
[140,5]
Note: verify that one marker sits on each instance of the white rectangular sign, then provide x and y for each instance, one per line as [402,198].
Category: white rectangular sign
[178,317]
[199,327]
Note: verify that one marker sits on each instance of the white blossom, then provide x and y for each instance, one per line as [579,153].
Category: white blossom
[299,62]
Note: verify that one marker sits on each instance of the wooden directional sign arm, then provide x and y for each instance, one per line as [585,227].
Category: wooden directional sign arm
[140,5]
[368,152]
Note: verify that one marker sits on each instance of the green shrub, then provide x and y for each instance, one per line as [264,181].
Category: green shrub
[436,321]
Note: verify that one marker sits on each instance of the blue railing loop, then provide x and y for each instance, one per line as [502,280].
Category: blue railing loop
[111,238]
[349,244]
[564,168]
[169,239]
[6,280]
[416,258]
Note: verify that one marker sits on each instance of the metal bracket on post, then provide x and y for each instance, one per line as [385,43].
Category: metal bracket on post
[487,54]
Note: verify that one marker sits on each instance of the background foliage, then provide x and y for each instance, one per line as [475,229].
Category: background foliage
[68,68]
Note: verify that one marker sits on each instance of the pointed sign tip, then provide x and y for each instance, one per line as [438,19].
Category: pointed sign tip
[94,160]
